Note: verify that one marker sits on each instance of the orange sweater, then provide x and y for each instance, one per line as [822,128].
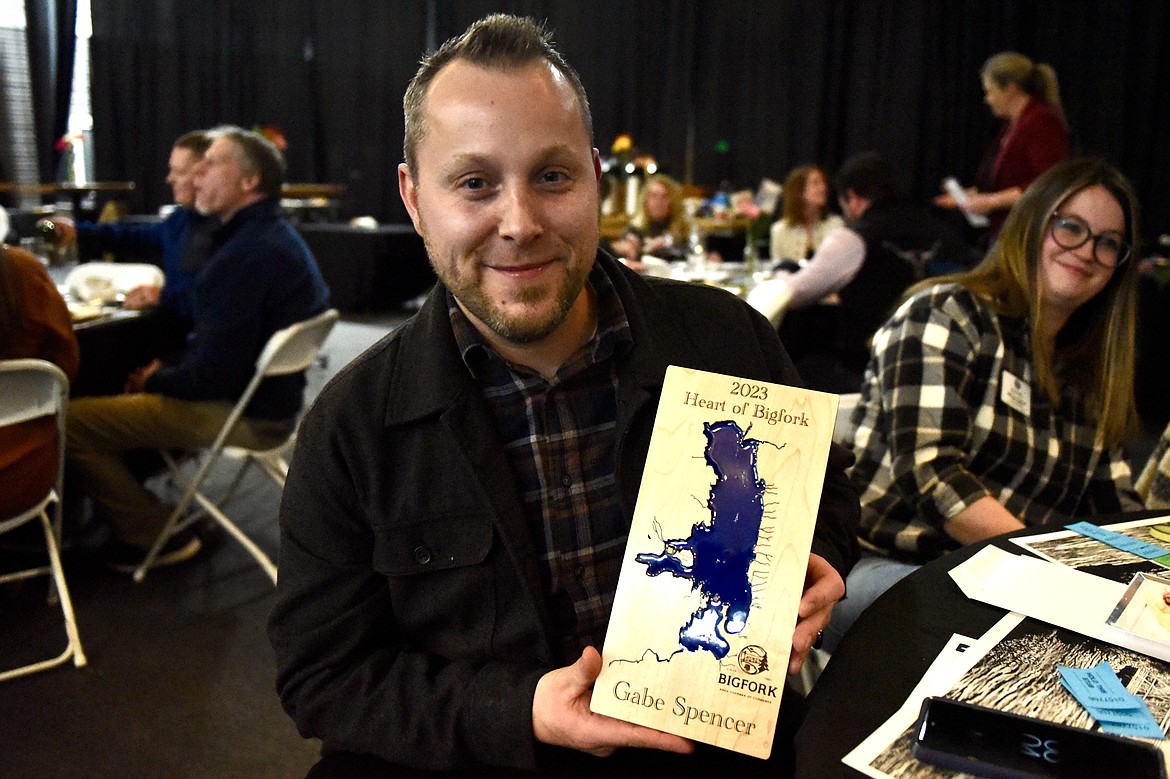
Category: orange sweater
[28,453]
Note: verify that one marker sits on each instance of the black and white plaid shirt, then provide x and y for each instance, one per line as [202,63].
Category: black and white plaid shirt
[560,440]
[951,412]
[1154,483]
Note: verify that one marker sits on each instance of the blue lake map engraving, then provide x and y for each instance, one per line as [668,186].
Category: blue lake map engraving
[717,554]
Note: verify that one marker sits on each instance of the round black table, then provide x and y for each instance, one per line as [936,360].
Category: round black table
[887,651]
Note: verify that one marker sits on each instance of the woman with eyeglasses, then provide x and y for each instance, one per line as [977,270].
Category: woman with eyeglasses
[999,397]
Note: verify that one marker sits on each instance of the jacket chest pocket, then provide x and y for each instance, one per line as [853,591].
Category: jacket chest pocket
[433,544]
[441,580]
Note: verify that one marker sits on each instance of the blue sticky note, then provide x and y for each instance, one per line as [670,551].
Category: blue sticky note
[1092,688]
[1141,724]
[1120,541]
[1114,708]
[1134,722]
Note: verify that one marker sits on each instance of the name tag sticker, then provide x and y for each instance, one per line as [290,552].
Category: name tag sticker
[1016,393]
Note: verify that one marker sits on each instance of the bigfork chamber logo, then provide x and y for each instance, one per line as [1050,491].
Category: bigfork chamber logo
[753,659]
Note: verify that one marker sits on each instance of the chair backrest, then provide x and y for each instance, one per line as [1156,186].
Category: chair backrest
[105,280]
[290,350]
[30,389]
[294,348]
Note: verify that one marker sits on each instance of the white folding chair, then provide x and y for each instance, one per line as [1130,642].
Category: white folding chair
[31,389]
[291,350]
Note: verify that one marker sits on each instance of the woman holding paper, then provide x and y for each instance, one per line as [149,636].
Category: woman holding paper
[1033,138]
[999,397]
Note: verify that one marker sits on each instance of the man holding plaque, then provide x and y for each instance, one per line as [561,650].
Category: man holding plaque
[457,511]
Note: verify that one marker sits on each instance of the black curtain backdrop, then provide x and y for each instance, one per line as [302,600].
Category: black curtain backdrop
[718,91]
[328,73]
[51,43]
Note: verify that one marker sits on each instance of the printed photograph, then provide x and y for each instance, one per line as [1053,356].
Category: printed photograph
[1019,676]
[1095,557]
[1145,608]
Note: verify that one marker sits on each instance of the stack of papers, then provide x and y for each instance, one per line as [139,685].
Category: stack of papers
[1013,667]
[1063,663]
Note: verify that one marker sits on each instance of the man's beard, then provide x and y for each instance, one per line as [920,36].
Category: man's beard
[518,328]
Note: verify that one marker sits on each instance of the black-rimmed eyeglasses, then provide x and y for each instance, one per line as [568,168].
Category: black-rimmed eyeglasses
[1071,232]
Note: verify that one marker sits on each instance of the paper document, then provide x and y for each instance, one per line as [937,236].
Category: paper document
[1051,593]
[1012,668]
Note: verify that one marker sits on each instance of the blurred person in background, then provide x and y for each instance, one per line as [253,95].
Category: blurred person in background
[34,322]
[1033,138]
[855,278]
[660,228]
[805,219]
[259,277]
[173,239]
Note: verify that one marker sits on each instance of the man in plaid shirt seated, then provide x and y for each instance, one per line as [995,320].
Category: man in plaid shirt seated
[458,505]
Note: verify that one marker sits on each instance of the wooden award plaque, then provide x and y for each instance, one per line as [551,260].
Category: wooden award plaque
[701,630]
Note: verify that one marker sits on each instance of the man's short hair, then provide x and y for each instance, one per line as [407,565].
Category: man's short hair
[195,142]
[497,41]
[869,175]
[257,156]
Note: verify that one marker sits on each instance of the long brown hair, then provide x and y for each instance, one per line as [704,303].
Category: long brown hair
[792,202]
[1095,349]
[677,225]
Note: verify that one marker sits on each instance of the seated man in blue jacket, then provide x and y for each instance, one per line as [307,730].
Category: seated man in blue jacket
[167,239]
[459,502]
[259,278]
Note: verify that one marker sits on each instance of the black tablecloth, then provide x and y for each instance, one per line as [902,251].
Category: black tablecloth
[369,269]
[373,269]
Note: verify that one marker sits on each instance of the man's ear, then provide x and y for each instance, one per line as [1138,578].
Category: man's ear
[408,191]
[250,183]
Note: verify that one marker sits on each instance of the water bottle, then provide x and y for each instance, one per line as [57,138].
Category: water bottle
[749,255]
[696,253]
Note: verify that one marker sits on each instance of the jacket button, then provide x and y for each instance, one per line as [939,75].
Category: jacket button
[422,555]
